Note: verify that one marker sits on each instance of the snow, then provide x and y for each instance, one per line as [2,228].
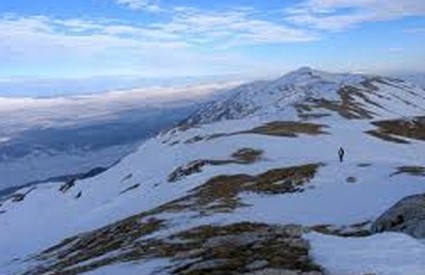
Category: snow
[272,98]
[41,166]
[328,198]
[133,268]
[383,254]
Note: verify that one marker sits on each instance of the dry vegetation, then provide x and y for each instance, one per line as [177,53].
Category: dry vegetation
[289,129]
[228,249]
[242,156]
[231,249]
[221,193]
[247,155]
[89,246]
[396,130]
[418,171]
[387,137]
[348,106]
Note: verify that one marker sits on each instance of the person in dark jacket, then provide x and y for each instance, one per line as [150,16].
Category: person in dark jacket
[341,154]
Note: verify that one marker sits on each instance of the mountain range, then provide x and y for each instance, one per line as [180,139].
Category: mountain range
[250,183]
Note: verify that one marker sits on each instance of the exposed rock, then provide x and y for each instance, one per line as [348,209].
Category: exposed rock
[68,185]
[407,216]
[354,230]
[135,186]
[351,179]
[191,168]
[18,197]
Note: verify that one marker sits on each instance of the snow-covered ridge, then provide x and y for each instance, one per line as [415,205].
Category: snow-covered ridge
[288,173]
[265,98]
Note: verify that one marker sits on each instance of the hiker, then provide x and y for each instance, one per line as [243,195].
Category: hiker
[341,153]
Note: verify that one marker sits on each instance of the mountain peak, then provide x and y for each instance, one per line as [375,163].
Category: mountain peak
[304,70]
[272,98]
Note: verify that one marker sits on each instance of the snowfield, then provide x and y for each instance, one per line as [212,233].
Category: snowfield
[345,196]
[388,254]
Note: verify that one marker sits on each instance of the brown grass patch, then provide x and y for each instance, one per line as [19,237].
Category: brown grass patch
[233,248]
[91,245]
[242,156]
[290,129]
[229,249]
[418,171]
[347,106]
[387,137]
[247,155]
[395,130]
[221,193]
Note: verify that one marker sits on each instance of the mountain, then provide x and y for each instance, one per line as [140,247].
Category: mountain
[417,78]
[250,183]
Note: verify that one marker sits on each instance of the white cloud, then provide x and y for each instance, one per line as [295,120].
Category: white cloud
[181,40]
[57,111]
[148,5]
[336,15]
[189,41]
[234,27]
[420,30]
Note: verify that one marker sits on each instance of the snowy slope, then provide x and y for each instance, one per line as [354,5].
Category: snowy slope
[265,155]
[42,138]
[273,97]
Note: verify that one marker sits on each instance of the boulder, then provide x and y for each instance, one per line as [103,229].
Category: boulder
[406,216]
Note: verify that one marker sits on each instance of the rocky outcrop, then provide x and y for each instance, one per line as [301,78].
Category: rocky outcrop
[407,216]
[68,185]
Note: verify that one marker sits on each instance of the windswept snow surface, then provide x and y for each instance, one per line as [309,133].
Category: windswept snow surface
[383,254]
[47,216]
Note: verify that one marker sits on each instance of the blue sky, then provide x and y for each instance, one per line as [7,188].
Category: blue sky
[175,38]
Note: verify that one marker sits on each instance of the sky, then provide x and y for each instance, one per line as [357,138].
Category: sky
[51,39]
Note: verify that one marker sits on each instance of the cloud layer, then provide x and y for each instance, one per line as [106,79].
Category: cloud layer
[178,40]
[336,15]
